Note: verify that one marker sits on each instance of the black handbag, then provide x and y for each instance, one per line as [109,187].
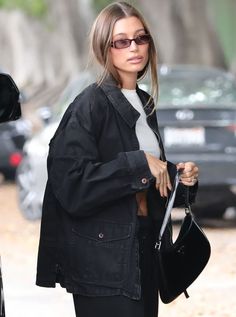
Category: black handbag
[180,262]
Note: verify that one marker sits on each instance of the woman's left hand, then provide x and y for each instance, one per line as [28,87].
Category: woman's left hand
[188,173]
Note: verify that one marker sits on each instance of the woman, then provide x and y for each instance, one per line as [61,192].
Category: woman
[108,180]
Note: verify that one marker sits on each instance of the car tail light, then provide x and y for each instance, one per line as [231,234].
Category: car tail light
[15,159]
[232,128]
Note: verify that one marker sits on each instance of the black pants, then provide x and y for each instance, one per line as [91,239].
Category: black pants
[122,306]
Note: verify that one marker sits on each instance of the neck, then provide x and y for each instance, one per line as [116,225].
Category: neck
[129,82]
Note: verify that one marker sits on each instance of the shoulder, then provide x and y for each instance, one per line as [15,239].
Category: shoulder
[90,101]
[83,113]
[88,110]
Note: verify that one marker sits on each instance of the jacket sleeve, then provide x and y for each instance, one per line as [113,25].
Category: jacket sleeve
[80,181]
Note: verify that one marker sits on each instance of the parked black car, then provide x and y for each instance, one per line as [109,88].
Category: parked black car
[9,110]
[13,134]
[12,138]
[197,117]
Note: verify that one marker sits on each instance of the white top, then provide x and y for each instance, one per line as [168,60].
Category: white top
[146,137]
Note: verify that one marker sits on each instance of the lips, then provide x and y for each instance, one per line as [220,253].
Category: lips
[135,59]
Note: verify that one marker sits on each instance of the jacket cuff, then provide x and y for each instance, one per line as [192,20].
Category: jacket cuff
[139,169]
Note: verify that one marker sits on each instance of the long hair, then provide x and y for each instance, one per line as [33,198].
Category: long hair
[101,38]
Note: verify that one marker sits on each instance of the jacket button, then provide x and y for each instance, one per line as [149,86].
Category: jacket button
[101,235]
[144,180]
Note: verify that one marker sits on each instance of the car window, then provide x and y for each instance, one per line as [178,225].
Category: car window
[193,88]
[196,90]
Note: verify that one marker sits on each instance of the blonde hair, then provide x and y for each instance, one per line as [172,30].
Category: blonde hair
[101,38]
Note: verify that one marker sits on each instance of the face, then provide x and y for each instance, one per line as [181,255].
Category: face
[130,60]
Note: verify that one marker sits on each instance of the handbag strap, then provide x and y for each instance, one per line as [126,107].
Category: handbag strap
[168,209]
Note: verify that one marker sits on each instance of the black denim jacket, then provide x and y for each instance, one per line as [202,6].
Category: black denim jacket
[88,240]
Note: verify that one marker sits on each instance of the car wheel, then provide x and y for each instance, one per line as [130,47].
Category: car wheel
[29,203]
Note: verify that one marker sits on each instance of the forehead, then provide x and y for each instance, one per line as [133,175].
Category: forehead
[128,25]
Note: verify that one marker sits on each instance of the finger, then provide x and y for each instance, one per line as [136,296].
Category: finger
[191,174]
[186,179]
[157,184]
[186,171]
[166,180]
[169,182]
[165,183]
[196,172]
[158,180]
[189,181]
[189,166]
[162,183]
[180,166]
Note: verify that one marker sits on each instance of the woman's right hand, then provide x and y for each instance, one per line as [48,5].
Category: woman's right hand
[159,170]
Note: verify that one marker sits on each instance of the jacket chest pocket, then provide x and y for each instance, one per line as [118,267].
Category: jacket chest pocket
[99,253]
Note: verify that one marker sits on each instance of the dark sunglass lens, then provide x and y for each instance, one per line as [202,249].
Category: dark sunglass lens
[143,39]
[121,43]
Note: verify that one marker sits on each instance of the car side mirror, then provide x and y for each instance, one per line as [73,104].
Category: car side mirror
[45,114]
[10,108]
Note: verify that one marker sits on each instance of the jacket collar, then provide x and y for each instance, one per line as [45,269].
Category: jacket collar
[120,103]
[129,114]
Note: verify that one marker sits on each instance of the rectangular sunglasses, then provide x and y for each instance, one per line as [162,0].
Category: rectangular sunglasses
[124,43]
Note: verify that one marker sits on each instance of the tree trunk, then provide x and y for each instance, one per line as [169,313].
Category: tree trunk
[45,52]
[184,31]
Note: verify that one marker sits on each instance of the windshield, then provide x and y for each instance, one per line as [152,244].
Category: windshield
[180,88]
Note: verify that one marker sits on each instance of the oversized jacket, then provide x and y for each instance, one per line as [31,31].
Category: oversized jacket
[88,240]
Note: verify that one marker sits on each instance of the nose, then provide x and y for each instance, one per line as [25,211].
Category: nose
[133,46]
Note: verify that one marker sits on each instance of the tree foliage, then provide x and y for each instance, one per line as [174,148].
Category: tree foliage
[100,4]
[36,8]
[224,18]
